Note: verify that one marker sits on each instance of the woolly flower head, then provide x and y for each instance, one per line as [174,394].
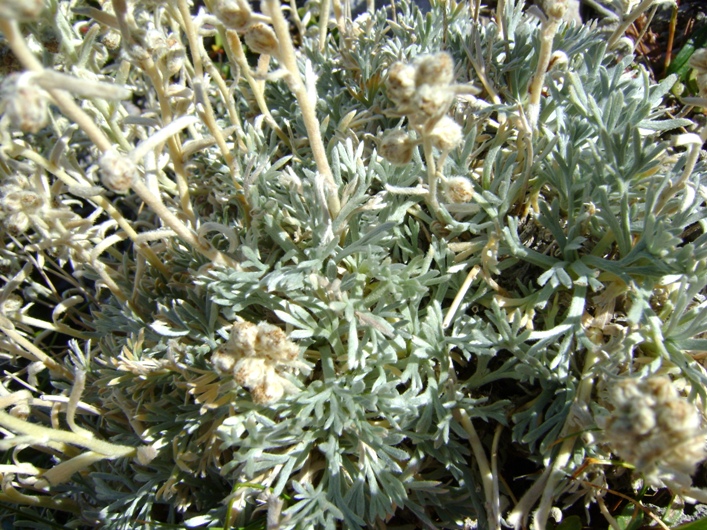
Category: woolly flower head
[655,429]
[400,83]
[422,90]
[255,355]
[117,171]
[25,104]
[446,134]
[396,147]
[459,190]
[434,69]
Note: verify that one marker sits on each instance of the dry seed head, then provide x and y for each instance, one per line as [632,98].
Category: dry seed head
[434,69]
[446,134]
[678,415]
[233,14]
[396,147]
[459,190]
[400,83]
[261,38]
[117,171]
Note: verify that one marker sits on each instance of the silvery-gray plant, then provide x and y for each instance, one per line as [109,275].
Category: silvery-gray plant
[295,269]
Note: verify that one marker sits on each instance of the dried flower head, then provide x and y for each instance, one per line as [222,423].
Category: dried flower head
[431,102]
[446,134]
[272,343]
[250,371]
[242,339]
[261,38]
[26,105]
[459,190]
[224,360]
[434,69]
[655,429]
[397,147]
[269,390]
[117,171]
[253,355]
[400,83]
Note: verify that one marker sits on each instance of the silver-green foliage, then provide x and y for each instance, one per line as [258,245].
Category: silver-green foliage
[577,245]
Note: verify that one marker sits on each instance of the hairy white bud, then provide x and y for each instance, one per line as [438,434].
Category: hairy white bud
[396,147]
[400,83]
[431,103]
[446,134]
[434,69]
[556,9]
[17,223]
[233,14]
[26,105]
[117,171]
[261,38]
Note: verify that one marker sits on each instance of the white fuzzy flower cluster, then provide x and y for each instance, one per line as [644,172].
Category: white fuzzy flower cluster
[255,355]
[423,92]
[655,429]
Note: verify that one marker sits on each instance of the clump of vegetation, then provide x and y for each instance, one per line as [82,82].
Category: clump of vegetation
[282,269]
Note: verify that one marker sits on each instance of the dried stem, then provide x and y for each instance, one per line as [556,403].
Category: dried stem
[306,102]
